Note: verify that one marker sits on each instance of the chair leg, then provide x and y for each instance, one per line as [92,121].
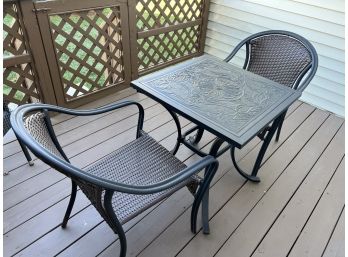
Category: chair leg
[71,203]
[114,222]
[202,193]
[205,213]
[26,152]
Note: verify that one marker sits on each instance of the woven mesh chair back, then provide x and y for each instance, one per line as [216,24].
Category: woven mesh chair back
[280,58]
[37,128]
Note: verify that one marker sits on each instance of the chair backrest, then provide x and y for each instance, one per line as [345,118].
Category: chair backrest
[281,56]
[38,125]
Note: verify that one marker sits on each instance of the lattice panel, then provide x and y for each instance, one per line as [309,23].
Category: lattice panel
[89,49]
[13,38]
[164,47]
[154,14]
[19,85]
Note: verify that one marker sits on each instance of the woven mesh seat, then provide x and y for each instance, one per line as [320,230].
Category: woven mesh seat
[141,162]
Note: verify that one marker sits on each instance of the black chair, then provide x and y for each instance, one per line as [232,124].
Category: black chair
[7,127]
[281,56]
[124,183]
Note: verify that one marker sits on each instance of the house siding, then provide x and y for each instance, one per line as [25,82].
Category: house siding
[320,21]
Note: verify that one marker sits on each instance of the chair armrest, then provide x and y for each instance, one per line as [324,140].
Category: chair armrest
[19,113]
[26,108]
[235,50]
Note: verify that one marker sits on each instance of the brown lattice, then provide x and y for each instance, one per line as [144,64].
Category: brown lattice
[167,46]
[13,33]
[89,49]
[19,86]
[154,14]
[162,46]
[19,83]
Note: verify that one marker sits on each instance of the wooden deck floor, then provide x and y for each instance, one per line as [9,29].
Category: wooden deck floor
[296,210]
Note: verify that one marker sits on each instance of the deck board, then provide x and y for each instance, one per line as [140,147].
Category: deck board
[335,247]
[316,234]
[294,216]
[262,216]
[35,197]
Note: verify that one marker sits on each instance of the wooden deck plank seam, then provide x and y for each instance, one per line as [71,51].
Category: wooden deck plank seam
[270,186]
[334,229]
[273,183]
[321,195]
[291,197]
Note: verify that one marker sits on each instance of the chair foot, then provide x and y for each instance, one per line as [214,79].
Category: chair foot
[31,163]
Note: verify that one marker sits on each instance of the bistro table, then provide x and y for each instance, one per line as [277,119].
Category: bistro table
[232,103]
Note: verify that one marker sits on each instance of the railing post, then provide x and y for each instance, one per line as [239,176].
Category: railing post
[133,37]
[38,55]
[204,25]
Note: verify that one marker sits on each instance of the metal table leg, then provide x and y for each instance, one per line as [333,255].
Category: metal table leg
[178,127]
[197,137]
[253,176]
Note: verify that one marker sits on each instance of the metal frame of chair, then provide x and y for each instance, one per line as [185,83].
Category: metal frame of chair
[125,182]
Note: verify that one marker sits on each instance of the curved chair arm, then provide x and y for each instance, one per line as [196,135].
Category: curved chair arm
[236,49]
[20,112]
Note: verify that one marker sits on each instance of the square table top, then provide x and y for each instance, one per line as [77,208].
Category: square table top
[228,101]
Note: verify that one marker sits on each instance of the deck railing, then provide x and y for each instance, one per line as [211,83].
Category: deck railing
[69,52]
